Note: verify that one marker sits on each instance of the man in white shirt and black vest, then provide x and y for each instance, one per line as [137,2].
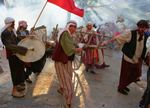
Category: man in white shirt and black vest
[134,50]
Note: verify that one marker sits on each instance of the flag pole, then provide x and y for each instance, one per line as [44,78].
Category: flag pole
[40,14]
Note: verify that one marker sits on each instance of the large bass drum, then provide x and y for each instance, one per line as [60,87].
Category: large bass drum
[36,49]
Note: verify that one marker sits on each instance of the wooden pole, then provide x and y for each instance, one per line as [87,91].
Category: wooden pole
[40,14]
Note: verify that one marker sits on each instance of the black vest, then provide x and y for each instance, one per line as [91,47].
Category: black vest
[130,47]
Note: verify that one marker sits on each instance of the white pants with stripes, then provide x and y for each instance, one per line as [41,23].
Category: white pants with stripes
[64,73]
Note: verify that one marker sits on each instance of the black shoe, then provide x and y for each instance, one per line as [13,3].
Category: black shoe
[127,89]
[122,91]
[100,66]
[86,69]
[93,72]
[28,80]
[60,91]
[105,65]
[141,104]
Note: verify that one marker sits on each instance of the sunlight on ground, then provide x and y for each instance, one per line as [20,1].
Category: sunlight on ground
[81,87]
[44,81]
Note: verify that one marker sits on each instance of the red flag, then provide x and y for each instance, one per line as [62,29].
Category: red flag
[68,5]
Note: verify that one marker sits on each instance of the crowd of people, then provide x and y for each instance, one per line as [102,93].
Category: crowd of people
[133,44]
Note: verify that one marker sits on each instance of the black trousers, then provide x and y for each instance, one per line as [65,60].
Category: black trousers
[17,70]
[37,66]
[28,72]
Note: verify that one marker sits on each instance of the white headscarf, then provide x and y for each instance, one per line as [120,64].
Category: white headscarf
[89,23]
[8,22]
[22,24]
[71,22]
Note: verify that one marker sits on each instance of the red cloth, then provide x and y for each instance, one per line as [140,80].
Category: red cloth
[68,5]
[90,56]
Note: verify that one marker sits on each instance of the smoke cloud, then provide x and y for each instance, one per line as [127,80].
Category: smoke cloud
[30,9]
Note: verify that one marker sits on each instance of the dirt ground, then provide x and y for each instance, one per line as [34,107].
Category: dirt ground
[90,91]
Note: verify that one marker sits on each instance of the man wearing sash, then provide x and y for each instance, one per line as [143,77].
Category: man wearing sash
[63,56]
[134,50]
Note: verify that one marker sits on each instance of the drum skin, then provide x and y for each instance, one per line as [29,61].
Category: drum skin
[36,49]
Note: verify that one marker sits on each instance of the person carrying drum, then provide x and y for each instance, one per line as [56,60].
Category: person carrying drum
[10,40]
[63,56]
[38,65]
[22,33]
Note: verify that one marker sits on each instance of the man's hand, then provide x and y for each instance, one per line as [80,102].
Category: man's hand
[104,43]
[31,49]
[31,36]
[32,29]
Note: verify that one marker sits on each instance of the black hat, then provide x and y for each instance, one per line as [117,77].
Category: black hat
[142,23]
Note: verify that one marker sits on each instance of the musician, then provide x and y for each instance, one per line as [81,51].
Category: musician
[90,58]
[37,66]
[22,33]
[134,49]
[63,56]
[10,40]
[22,29]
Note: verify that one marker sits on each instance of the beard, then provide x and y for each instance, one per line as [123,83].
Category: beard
[141,32]
[13,25]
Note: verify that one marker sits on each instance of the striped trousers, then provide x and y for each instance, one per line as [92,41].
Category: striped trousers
[64,73]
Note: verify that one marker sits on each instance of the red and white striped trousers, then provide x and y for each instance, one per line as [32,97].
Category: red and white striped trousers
[64,73]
